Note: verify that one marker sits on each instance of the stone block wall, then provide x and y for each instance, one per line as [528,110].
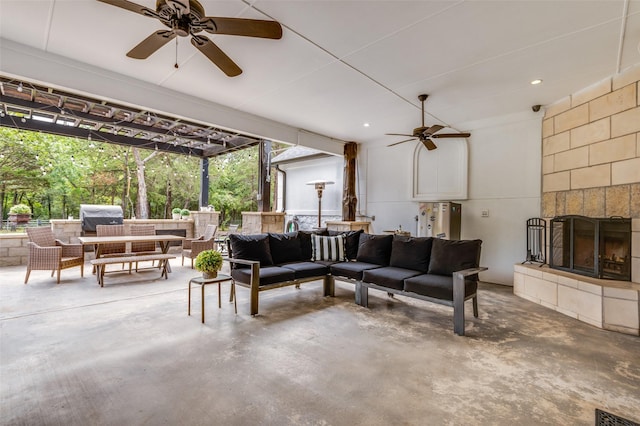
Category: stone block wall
[591,151]
[591,154]
[262,222]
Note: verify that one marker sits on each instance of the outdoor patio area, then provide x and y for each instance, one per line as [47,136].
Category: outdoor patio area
[127,353]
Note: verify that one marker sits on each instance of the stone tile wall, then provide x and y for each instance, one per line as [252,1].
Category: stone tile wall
[591,154]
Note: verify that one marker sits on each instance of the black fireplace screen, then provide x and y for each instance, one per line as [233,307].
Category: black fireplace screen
[594,247]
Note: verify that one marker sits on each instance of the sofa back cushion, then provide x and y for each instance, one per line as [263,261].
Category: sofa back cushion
[449,256]
[411,253]
[352,240]
[251,247]
[305,242]
[328,248]
[374,249]
[285,248]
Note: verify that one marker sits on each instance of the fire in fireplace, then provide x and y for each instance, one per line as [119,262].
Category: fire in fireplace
[595,247]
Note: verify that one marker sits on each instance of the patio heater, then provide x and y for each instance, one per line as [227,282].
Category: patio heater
[319,186]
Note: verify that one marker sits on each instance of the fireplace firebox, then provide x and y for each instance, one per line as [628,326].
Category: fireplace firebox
[595,247]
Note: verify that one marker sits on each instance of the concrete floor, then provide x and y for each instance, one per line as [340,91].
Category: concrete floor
[128,354]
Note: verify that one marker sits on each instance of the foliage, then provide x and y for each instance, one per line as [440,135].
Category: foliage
[185,212]
[20,209]
[176,210]
[55,174]
[208,261]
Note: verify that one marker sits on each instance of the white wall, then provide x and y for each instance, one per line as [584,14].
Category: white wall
[504,178]
[302,199]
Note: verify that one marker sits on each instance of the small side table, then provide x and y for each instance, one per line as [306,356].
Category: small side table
[217,280]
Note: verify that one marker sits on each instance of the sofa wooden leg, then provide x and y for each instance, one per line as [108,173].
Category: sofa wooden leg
[329,284]
[458,304]
[475,306]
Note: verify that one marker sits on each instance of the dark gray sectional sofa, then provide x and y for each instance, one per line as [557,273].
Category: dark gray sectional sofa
[440,271]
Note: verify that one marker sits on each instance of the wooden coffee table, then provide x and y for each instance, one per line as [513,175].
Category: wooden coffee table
[217,280]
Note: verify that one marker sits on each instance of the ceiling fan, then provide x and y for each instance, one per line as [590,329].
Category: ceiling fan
[187,17]
[424,134]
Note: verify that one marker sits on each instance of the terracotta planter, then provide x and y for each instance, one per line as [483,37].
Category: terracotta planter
[209,275]
[19,218]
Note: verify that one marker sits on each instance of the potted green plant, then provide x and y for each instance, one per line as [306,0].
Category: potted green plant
[176,213]
[185,213]
[20,214]
[209,262]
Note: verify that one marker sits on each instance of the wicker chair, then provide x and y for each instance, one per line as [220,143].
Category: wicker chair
[115,249]
[143,248]
[192,247]
[47,253]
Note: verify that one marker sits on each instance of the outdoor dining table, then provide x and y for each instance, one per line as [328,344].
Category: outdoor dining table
[162,240]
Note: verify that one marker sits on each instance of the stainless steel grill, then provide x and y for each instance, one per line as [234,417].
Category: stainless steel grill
[96,214]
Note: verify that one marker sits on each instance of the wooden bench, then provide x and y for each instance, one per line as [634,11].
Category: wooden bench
[101,263]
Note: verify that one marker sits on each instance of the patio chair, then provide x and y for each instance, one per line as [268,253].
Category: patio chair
[115,249]
[222,242]
[140,249]
[192,247]
[48,253]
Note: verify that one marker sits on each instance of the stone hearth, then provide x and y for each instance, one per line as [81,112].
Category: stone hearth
[607,304]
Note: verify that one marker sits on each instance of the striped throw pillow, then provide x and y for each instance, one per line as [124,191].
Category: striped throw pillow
[328,248]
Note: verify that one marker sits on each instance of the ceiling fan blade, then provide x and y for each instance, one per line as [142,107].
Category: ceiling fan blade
[131,6]
[431,130]
[149,45]
[215,55]
[242,27]
[451,135]
[399,134]
[398,143]
[428,143]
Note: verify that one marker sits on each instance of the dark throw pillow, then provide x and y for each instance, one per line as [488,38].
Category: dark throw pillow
[352,240]
[448,256]
[374,249]
[411,253]
[285,248]
[251,247]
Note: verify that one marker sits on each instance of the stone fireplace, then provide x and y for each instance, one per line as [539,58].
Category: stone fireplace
[591,170]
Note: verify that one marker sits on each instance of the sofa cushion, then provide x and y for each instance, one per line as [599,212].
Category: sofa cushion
[268,275]
[306,269]
[352,270]
[328,248]
[251,247]
[437,286]
[388,276]
[285,247]
[374,249]
[411,253]
[305,242]
[449,256]
[352,240]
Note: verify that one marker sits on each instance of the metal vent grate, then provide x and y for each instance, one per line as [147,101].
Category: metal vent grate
[607,419]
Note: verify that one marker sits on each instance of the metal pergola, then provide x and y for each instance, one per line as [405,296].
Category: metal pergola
[28,106]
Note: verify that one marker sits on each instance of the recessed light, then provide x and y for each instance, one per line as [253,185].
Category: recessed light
[536,81]
[366,124]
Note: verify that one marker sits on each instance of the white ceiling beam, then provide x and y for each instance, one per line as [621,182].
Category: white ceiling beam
[46,68]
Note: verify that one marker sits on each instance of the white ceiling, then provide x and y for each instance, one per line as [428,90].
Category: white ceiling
[340,64]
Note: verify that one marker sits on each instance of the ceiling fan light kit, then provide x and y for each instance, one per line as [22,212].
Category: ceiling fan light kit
[424,134]
[187,17]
